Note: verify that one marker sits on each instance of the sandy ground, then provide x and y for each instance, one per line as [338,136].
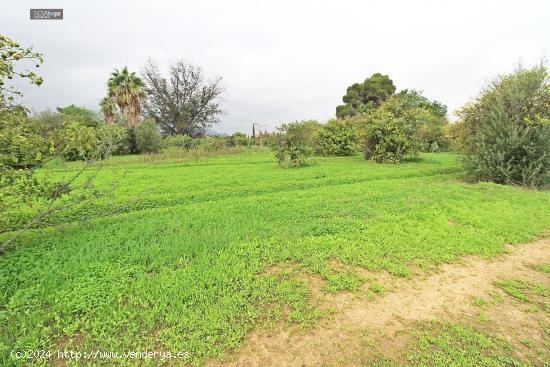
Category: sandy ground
[448,294]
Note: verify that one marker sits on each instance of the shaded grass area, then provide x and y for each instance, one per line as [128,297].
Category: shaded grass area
[183,269]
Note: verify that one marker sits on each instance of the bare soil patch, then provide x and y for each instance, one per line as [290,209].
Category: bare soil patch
[359,319]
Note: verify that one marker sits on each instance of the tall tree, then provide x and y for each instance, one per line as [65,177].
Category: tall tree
[185,103]
[128,90]
[363,97]
[108,109]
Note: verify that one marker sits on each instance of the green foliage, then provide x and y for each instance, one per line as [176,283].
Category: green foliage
[22,148]
[509,154]
[544,268]
[113,140]
[148,139]
[109,109]
[366,96]
[432,132]
[213,143]
[506,130]
[75,141]
[296,142]
[338,137]
[410,99]
[180,141]
[238,139]
[430,118]
[389,138]
[403,125]
[128,91]
[12,55]
[20,141]
[522,290]
[195,238]
[446,345]
[79,114]
[47,121]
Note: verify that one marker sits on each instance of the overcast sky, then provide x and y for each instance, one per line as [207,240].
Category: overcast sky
[281,60]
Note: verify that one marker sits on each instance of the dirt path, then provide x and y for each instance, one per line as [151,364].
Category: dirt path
[447,294]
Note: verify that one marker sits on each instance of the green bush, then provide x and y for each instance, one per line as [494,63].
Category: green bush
[213,143]
[180,141]
[295,143]
[21,148]
[238,139]
[113,140]
[21,144]
[506,130]
[432,133]
[509,154]
[338,137]
[147,137]
[389,138]
[403,125]
[76,142]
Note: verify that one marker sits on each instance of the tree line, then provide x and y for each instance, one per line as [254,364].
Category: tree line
[503,135]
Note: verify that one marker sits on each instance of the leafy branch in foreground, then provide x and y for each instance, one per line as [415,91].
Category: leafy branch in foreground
[24,150]
[12,53]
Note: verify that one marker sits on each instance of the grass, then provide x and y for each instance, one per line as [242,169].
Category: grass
[174,258]
[522,290]
[449,345]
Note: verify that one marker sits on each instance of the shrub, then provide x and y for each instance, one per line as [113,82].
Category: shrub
[76,142]
[21,148]
[505,134]
[21,145]
[430,116]
[389,138]
[180,141]
[510,154]
[338,137]
[113,140]
[238,139]
[432,133]
[213,143]
[295,143]
[454,134]
[147,137]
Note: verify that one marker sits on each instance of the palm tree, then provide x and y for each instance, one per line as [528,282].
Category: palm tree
[108,109]
[128,91]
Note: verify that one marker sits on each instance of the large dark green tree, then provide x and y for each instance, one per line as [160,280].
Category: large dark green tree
[364,97]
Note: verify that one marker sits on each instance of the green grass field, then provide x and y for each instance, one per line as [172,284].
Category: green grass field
[174,257]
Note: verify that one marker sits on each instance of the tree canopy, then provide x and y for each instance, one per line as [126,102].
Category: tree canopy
[183,103]
[128,91]
[363,97]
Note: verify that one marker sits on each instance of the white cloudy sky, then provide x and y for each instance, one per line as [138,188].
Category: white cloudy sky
[282,60]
